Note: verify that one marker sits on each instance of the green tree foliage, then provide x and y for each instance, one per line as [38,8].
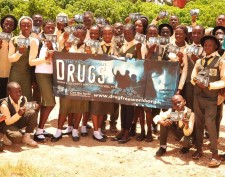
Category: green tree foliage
[113,10]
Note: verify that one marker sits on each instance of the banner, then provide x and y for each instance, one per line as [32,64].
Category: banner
[146,83]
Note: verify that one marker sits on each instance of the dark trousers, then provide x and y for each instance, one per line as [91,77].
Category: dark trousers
[205,115]
[186,141]
[28,120]
[188,94]
[127,114]
[219,117]
[3,87]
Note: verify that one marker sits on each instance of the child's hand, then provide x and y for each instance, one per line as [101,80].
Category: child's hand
[66,36]
[165,123]
[180,57]
[49,45]
[22,49]
[67,45]
[21,111]
[194,57]
[2,117]
[178,92]
[151,48]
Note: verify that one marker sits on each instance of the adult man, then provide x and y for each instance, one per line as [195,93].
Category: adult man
[17,117]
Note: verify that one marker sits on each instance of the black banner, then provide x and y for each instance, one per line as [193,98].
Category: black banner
[146,83]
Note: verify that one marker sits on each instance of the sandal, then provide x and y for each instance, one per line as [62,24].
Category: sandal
[214,163]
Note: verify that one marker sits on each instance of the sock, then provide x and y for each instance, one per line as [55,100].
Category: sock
[83,129]
[75,132]
[99,129]
[68,129]
[163,146]
[40,132]
[97,135]
[58,133]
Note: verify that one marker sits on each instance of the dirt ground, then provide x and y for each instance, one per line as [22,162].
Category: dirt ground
[91,158]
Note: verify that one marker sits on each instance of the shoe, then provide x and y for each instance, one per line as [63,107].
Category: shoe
[2,146]
[100,140]
[46,134]
[88,126]
[222,157]
[160,152]
[75,138]
[55,139]
[214,162]
[184,150]
[84,134]
[123,141]
[37,139]
[6,141]
[113,129]
[141,137]
[149,138]
[67,132]
[28,140]
[104,136]
[197,155]
[117,137]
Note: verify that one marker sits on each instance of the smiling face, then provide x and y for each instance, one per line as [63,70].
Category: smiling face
[26,27]
[197,34]
[88,21]
[209,46]
[81,34]
[179,35]
[139,27]
[174,21]
[94,33]
[152,32]
[8,25]
[165,32]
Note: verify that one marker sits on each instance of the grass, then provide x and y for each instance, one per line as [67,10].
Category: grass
[21,169]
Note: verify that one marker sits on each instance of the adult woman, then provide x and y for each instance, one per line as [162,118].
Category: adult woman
[20,55]
[8,24]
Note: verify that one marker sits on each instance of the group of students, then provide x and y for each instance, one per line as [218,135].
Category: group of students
[26,74]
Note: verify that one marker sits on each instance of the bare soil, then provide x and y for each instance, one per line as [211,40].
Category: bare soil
[91,158]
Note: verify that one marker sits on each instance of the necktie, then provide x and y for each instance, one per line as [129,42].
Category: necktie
[206,60]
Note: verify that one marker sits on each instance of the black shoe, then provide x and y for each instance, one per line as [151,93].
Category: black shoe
[123,141]
[184,150]
[88,126]
[75,138]
[55,139]
[149,138]
[222,157]
[104,136]
[37,139]
[206,136]
[141,137]
[100,140]
[84,134]
[46,134]
[160,152]
[197,155]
